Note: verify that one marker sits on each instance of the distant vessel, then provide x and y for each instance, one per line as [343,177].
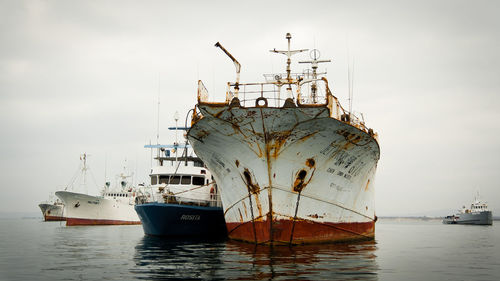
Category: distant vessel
[115,206]
[183,198]
[293,166]
[52,210]
[477,214]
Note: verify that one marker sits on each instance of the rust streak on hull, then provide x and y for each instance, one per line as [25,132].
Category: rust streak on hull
[305,232]
[54,218]
[298,169]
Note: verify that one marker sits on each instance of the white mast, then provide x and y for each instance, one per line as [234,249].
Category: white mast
[84,170]
[158,116]
[289,53]
[315,54]
[105,171]
[176,118]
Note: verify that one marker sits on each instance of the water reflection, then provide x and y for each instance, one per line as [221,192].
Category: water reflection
[354,261]
[160,258]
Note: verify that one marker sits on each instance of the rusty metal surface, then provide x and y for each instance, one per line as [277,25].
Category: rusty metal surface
[280,167]
[305,232]
[293,166]
[271,94]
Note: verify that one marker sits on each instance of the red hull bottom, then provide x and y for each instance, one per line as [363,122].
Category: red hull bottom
[75,221]
[54,218]
[300,232]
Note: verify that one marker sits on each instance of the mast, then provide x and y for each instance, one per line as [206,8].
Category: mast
[350,77]
[105,172]
[176,118]
[288,53]
[158,118]
[314,54]
[84,170]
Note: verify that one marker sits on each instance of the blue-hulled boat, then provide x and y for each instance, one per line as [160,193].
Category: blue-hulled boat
[162,219]
[182,200]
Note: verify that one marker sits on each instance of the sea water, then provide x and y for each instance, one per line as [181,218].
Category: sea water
[404,249]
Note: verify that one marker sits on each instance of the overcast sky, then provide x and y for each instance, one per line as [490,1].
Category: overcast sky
[85,76]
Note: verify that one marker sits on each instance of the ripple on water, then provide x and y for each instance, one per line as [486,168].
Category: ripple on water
[167,258]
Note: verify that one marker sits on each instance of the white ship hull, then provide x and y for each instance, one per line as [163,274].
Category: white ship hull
[82,209]
[289,175]
[52,212]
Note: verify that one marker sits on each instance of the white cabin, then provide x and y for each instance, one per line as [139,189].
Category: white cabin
[475,207]
[181,179]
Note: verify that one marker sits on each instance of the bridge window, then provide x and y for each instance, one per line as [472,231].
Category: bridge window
[169,179]
[198,180]
[175,179]
[186,180]
[154,179]
[164,179]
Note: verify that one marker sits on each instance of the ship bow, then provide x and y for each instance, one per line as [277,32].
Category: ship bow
[289,175]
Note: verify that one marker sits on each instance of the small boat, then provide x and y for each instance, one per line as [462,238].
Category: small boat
[183,200]
[52,210]
[112,207]
[450,219]
[477,214]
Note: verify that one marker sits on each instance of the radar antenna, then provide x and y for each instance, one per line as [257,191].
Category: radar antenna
[314,55]
[289,54]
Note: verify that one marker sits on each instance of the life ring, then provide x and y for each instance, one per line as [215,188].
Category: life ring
[258,102]
[212,193]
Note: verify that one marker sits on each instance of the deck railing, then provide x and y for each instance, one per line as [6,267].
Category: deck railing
[303,91]
[214,200]
[160,195]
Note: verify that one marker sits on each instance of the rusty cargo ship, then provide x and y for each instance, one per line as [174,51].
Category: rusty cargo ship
[292,165]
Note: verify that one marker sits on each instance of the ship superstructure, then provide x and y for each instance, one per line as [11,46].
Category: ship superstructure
[182,199]
[292,165]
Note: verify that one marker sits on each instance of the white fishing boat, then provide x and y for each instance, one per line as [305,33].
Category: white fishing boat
[292,165]
[52,210]
[112,206]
